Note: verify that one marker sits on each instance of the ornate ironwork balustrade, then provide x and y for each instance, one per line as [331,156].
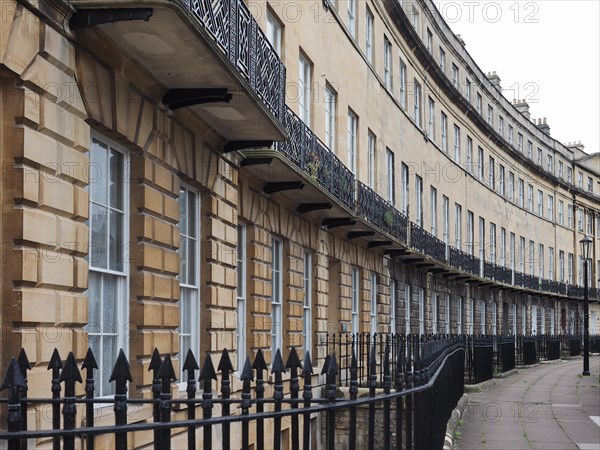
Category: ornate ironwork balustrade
[311,156]
[237,34]
[376,210]
[426,243]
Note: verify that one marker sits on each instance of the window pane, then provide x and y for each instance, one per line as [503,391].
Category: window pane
[94,294]
[99,172]
[109,304]
[116,180]
[116,241]
[191,214]
[99,246]
[109,357]
[191,261]
[183,222]
[183,258]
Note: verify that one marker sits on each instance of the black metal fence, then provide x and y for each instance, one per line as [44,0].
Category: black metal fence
[486,355]
[427,378]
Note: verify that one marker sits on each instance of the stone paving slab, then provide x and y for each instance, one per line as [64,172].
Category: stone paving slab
[548,406]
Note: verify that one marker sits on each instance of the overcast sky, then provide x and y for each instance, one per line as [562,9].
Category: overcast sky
[547,51]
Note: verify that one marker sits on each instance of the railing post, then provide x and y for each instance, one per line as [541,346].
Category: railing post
[399,387]
[278,369]
[154,366]
[387,384]
[307,372]
[120,375]
[246,378]
[15,383]
[166,374]
[330,367]
[372,387]
[207,374]
[260,365]
[70,374]
[293,363]
[225,367]
[353,396]
[89,364]
[24,365]
[55,365]
[191,365]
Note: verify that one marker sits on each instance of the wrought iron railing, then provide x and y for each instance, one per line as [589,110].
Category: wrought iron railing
[428,377]
[237,34]
[427,243]
[376,210]
[503,275]
[311,156]
[463,261]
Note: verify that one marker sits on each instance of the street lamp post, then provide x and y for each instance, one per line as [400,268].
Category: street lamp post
[586,247]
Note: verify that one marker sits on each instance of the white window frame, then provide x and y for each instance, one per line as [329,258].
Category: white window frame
[407,313]
[120,278]
[373,312]
[274,32]
[352,18]
[241,293]
[393,311]
[482,316]
[456,144]
[304,94]
[355,299]
[433,204]
[371,143]
[470,232]
[421,295]
[419,200]
[369,35]
[188,286]
[434,312]
[446,219]
[417,103]
[431,127]
[447,308]
[402,84]
[307,275]
[387,64]
[352,140]
[330,117]
[444,132]
[391,192]
[458,226]
[276,296]
[459,311]
[405,189]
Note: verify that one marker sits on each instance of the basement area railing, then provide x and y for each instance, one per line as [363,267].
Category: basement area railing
[418,400]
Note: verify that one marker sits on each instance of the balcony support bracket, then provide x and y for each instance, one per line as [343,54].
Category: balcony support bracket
[338,222]
[85,18]
[232,146]
[180,98]
[308,207]
[279,186]
[359,234]
[255,161]
[375,244]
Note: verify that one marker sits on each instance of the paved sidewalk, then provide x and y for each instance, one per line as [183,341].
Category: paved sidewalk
[549,406]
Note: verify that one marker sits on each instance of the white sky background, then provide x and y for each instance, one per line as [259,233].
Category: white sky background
[552,44]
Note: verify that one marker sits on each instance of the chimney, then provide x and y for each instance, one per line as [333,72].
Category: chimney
[461,40]
[542,125]
[523,107]
[494,79]
[575,145]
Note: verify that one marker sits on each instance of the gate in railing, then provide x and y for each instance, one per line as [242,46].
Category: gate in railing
[428,381]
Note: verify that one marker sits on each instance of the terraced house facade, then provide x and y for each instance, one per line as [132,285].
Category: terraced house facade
[253,175]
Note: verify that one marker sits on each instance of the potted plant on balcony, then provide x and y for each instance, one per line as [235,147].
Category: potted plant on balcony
[388,218]
[313,164]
